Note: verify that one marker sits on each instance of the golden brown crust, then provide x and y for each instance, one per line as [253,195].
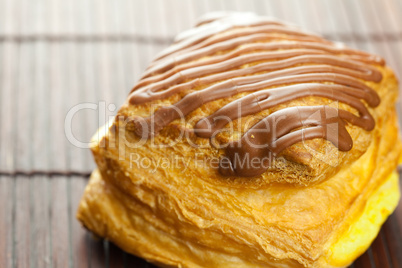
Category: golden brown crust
[304,162]
[183,219]
[170,205]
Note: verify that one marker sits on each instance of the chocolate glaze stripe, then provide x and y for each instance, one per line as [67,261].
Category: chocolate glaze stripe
[192,70]
[183,46]
[166,114]
[261,143]
[253,47]
[147,93]
[235,77]
[268,98]
[227,44]
[204,32]
[274,73]
[171,78]
[179,74]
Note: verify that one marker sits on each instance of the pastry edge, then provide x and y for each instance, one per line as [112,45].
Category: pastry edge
[381,203]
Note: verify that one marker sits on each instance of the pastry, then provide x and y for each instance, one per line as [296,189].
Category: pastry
[249,143]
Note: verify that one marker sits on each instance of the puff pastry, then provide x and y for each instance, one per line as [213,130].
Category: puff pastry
[249,143]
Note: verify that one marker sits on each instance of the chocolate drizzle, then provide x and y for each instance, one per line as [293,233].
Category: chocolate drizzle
[274,64]
[260,142]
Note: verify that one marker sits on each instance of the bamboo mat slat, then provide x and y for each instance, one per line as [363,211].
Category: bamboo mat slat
[79,241]
[6,221]
[59,217]
[22,217]
[56,54]
[8,111]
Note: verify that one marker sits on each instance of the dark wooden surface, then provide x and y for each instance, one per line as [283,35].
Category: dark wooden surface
[57,54]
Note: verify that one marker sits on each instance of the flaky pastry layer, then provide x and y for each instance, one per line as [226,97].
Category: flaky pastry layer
[177,218]
[135,236]
[159,194]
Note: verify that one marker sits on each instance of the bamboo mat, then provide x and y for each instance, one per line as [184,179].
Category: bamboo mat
[57,54]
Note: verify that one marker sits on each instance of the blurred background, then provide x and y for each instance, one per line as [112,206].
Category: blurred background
[55,55]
